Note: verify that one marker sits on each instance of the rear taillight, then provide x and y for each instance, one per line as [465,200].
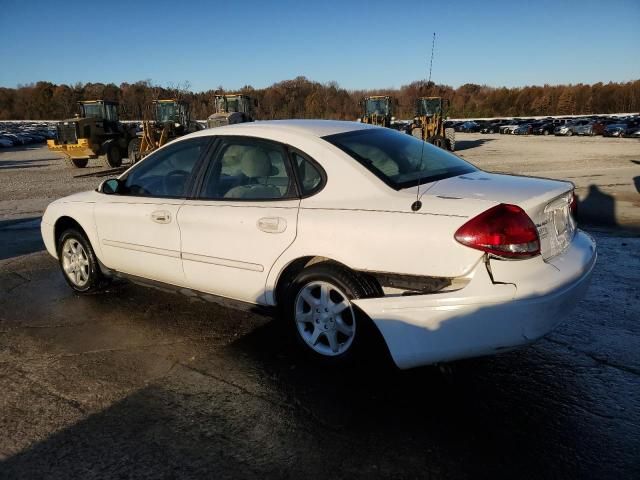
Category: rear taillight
[573,206]
[504,230]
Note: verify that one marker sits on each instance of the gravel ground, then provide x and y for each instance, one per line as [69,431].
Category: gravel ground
[606,171]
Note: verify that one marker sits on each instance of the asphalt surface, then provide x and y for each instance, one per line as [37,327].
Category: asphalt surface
[135,382]
[139,383]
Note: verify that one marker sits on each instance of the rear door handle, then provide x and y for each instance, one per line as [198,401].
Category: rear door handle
[272,224]
[161,216]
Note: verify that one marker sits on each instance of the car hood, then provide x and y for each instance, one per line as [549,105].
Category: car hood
[84,197]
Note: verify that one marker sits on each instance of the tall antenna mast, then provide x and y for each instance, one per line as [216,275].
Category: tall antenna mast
[433,47]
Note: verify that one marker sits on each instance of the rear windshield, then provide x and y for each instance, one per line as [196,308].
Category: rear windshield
[398,159]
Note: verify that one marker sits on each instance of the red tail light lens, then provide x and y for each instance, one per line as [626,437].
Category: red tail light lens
[573,206]
[504,231]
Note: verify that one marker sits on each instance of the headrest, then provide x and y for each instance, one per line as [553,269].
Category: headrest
[256,163]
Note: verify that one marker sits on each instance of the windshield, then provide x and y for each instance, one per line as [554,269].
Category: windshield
[398,159]
[166,112]
[93,110]
[429,106]
[376,106]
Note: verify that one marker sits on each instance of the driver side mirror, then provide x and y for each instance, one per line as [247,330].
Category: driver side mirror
[111,186]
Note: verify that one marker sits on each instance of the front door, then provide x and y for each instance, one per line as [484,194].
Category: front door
[244,218]
[137,227]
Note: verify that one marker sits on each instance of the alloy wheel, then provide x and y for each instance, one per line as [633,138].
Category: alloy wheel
[325,318]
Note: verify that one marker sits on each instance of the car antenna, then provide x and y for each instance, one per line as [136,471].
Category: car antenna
[417,205]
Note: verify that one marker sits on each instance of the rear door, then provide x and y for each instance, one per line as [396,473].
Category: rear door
[138,228]
[243,219]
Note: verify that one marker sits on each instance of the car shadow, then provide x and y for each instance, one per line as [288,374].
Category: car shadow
[467,144]
[597,208]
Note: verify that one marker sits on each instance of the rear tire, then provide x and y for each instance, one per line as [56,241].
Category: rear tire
[77,162]
[450,135]
[438,141]
[78,262]
[326,325]
[113,157]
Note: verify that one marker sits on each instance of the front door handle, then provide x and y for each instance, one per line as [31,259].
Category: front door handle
[272,224]
[161,216]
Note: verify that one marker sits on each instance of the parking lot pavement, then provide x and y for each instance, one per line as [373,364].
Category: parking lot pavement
[139,383]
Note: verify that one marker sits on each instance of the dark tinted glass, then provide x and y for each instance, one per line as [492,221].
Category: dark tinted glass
[400,160]
[166,172]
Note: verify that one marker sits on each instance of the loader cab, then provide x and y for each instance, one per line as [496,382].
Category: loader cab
[171,111]
[377,106]
[430,106]
[230,109]
[233,103]
[377,110]
[99,109]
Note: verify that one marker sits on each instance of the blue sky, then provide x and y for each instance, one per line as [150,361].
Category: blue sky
[359,44]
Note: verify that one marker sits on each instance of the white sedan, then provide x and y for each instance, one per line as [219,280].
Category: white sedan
[351,230]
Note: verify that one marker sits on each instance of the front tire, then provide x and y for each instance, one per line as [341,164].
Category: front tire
[438,141]
[78,262]
[326,324]
[113,157]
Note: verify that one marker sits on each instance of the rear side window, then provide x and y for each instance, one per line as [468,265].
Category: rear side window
[308,174]
[398,159]
[249,170]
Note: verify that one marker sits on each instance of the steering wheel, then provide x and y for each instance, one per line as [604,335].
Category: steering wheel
[168,184]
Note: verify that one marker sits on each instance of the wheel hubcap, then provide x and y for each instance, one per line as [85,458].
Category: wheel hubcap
[325,319]
[75,262]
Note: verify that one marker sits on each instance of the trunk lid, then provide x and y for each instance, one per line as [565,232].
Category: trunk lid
[547,202]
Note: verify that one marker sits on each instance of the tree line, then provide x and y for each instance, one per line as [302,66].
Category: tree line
[304,98]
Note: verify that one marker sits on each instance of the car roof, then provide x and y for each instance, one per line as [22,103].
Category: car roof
[314,128]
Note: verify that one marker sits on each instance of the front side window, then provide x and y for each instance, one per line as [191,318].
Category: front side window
[400,160]
[165,173]
[246,170]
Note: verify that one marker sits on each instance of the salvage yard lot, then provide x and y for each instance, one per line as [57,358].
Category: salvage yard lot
[139,383]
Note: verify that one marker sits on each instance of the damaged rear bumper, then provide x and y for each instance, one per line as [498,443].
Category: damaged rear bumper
[518,303]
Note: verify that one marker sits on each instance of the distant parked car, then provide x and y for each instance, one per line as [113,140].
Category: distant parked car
[593,127]
[5,142]
[524,129]
[494,126]
[571,128]
[618,129]
[468,127]
[632,132]
[543,128]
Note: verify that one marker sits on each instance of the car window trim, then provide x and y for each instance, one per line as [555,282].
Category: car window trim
[192,175]
[223,141]
[292,151]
